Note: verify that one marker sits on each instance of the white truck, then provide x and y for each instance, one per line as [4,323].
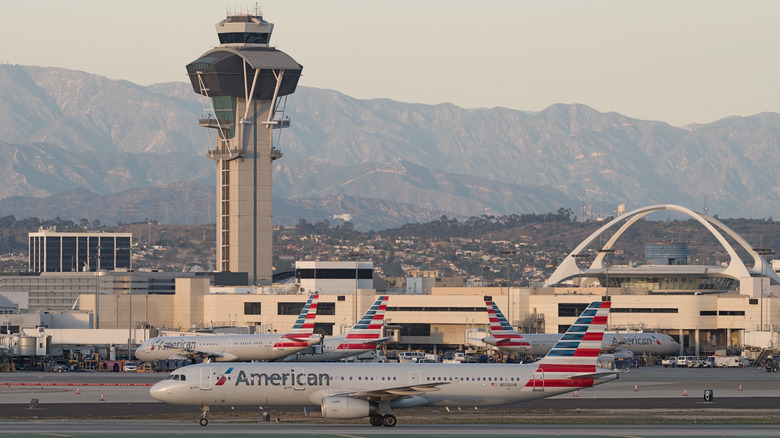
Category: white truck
[728,361]
[669,362]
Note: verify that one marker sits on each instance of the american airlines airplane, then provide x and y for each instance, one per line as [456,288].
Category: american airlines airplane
[364,336]
[229,348]
[504,337]
[373,390]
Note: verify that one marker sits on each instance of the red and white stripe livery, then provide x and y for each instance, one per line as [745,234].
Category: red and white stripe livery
[229,348]
[373,390]
[572,361]
[365,336]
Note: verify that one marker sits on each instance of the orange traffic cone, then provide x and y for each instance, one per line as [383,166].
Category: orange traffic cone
[78,390]
[575,394]
[636,387]
[101,396]
[685,392]
[740,387]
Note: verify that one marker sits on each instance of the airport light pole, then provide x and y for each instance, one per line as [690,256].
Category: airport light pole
[763,252]
[606,279]
[508,253]
[582,255]
[354,256]
[606,270]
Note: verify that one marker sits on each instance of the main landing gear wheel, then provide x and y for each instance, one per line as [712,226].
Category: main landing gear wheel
[389,420]
[376,420]
[204,421]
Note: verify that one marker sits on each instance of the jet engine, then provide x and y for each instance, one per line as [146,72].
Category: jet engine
[346,407]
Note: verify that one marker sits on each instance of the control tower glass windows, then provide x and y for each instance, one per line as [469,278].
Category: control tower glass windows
[225,112]
[244,38]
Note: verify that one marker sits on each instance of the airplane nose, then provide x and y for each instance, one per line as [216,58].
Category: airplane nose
[161,391]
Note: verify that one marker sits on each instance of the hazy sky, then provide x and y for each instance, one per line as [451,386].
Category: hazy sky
[676,61]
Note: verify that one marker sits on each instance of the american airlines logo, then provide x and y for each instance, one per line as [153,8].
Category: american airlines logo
[292,378]
[636,341]
[162,344]
[222,378]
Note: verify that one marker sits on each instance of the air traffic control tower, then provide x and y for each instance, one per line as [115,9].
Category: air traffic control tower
[244,83]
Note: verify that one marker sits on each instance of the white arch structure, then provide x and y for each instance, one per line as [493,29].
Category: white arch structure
[736,268]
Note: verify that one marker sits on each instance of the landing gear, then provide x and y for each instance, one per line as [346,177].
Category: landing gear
[204,412]
[389,420]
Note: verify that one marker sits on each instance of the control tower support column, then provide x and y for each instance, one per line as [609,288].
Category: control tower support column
[243,83]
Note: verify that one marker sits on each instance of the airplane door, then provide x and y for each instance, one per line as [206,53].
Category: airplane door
[298,374]
[538,381]
[229,345]
[414,378]
[205,378]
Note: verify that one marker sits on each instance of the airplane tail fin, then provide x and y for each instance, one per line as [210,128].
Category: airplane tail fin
[576,353]
[366,334]
[500,328]
[304,325]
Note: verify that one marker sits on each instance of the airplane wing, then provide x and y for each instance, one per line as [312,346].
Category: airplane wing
[388,394]
[186,353]
[609,349]
[377,341]
[303,338]
[593,375]
[616,344]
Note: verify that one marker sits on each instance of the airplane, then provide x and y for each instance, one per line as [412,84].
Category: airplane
[373,390]
[504,337]
[363,337]
[230,348]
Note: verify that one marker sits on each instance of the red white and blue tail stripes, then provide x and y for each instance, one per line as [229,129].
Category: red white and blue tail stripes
[365,334]
[303,327]
[503,333]
[573,359]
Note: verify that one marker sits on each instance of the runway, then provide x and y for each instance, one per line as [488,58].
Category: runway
[643,402]
[170,429]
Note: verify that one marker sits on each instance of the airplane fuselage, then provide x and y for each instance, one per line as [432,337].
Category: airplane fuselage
[290,384]
[329,350]
[228,347]
[637,343]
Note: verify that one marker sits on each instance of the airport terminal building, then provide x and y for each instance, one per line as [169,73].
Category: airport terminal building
[705,308]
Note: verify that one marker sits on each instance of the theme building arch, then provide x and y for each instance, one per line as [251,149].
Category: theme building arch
[736,269]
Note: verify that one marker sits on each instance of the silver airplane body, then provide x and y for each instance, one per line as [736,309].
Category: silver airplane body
[231,348]
[355,390]
[504,337]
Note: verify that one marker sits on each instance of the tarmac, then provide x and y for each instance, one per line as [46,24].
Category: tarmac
[638,395]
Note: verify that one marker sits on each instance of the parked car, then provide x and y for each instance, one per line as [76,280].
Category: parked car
[130,366]
[59,368]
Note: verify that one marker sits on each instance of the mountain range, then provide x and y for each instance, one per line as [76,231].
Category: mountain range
[78,145]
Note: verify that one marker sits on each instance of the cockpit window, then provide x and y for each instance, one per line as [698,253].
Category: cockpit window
[183,377]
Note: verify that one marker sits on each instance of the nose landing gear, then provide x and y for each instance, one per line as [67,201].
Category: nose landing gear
[204,412]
